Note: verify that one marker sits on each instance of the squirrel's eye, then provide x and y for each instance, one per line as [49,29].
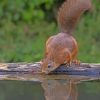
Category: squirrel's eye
[49,65]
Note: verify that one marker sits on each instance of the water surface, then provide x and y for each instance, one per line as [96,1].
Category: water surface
[49,87]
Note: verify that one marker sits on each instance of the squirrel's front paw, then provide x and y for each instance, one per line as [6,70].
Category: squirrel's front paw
[77,62]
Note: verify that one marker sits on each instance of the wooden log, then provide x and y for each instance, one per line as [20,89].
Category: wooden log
[85,69]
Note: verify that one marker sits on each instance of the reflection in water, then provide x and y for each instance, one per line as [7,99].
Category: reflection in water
[60,90]
[63,89]
[54,87]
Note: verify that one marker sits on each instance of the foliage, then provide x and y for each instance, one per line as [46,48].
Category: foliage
[24,10]
[25,25]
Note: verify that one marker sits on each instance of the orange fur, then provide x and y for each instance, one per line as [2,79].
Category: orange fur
[63,48]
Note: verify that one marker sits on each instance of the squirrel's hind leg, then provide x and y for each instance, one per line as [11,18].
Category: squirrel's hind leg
[68,59]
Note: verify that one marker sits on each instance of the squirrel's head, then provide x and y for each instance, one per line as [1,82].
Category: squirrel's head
[47,65]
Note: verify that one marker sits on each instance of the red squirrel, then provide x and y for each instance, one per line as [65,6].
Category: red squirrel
[63,48]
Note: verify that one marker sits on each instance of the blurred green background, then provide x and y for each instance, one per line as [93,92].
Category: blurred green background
[25,25]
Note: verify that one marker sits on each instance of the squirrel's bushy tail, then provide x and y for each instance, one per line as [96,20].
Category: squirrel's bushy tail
[70,13]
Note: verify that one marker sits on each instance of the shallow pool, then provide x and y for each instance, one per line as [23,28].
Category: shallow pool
[49,87]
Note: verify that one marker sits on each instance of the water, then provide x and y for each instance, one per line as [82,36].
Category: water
[49,87]
[18,90]
[89,90]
